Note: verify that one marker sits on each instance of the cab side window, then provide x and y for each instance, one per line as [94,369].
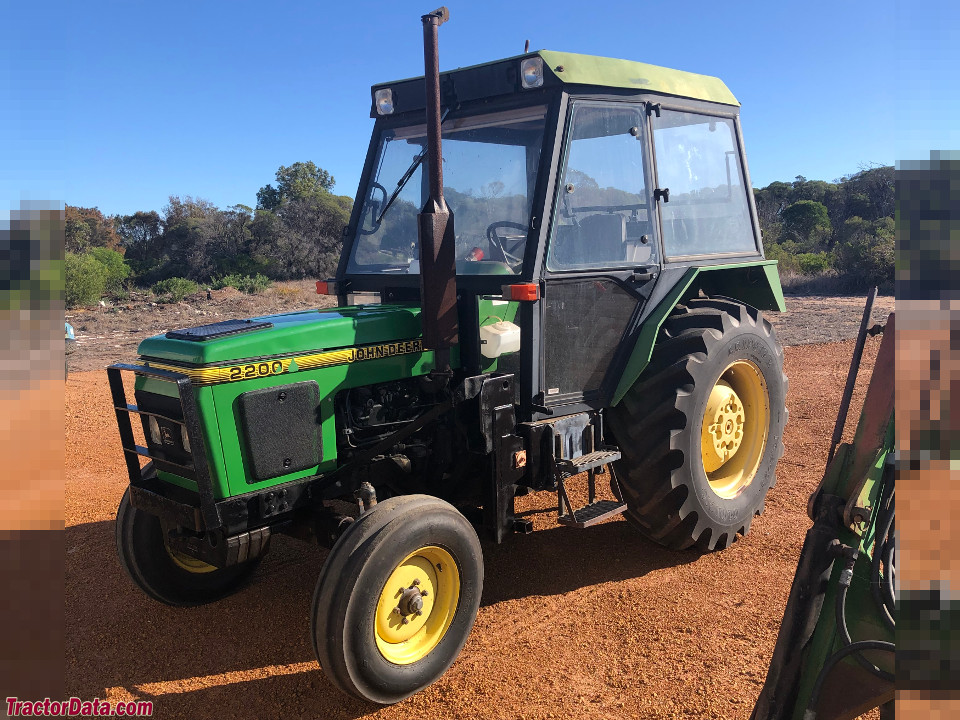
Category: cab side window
[698,160]
[602,217]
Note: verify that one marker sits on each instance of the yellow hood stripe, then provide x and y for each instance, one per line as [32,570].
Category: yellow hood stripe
[279,366]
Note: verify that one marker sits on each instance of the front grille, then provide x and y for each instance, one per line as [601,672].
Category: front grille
[166,439]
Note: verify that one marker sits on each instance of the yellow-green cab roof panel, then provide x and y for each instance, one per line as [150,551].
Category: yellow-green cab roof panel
[610,72]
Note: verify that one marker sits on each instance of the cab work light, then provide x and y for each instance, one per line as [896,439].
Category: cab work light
[384,100]
[531,72]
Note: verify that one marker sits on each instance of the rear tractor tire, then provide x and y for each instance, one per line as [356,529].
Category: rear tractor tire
[702,430]
[397,598]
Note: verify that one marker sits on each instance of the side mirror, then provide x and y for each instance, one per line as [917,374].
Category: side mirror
[373,207]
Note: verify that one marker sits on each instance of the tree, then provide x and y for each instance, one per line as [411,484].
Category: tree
[311,238]
[85,228]
[492,189]
[300,181]
[295,232]
[807,223]
[137,233]
[874,189]
[866,251]
[179,209]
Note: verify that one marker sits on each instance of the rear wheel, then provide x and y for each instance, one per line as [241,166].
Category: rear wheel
[165,574]
[702,431]
[397,598]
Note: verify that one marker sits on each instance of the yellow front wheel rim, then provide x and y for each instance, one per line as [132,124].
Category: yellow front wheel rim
[417,605]
[734,429]
[190,564]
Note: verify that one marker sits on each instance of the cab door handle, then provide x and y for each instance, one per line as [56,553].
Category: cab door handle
[644,274]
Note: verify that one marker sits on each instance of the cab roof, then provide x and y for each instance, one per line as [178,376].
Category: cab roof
[576,69]
[611,72]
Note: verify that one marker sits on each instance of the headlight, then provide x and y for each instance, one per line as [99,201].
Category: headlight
[531,72]
[185,438]
[384,101]
[155,431]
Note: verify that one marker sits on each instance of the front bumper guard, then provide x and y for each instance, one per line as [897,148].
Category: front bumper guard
[223,532]
[144,494]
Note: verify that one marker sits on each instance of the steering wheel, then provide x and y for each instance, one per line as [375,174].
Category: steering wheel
[508,245]
[375,208]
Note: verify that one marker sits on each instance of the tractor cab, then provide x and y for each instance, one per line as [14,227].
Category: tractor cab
[576,183]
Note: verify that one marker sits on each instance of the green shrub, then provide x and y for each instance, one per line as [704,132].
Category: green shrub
[786,260]
[173,290]
[813,263]
[251,284]
[85,280]
[866,253]
[116,269]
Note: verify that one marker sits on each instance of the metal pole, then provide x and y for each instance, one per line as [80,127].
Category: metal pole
[431,65]
[438,270]
[851,376]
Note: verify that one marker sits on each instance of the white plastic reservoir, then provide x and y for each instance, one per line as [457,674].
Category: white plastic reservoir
[499,338]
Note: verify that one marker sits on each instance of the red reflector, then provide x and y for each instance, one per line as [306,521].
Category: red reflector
[321,287]
[526,292]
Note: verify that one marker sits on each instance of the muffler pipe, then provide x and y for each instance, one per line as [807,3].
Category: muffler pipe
[438,269]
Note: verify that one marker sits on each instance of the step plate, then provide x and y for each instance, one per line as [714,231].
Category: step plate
[569,468]
[593,514]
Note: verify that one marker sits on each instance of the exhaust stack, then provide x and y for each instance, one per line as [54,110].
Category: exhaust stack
[438,269]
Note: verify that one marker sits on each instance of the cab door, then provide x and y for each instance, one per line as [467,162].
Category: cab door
[602,255]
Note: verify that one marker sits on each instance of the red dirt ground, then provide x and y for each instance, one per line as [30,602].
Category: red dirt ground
[597,623]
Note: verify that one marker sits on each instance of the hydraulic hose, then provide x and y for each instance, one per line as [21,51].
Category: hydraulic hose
[810,713]
[884,554]
[882,579]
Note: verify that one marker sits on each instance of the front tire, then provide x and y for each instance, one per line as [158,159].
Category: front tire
[397,598]
[164,574]
[702,431]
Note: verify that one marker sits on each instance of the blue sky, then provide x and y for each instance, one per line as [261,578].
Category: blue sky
[121,104]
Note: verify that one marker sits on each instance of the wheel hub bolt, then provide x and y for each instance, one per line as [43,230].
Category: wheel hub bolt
[411,602]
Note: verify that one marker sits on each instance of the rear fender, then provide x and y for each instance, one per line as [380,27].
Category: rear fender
[755,283]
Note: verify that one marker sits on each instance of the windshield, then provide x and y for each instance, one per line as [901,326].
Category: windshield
[490,166]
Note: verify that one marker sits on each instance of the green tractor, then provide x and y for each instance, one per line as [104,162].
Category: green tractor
[596,310]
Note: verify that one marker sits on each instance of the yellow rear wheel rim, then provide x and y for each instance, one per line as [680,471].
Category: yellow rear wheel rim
[190,564]
[427,580]
[734,429]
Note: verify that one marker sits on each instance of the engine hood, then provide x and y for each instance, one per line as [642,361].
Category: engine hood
[286,334]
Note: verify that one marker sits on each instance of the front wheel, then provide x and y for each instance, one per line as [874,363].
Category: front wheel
[397,598]
[702,431]
[165,574]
